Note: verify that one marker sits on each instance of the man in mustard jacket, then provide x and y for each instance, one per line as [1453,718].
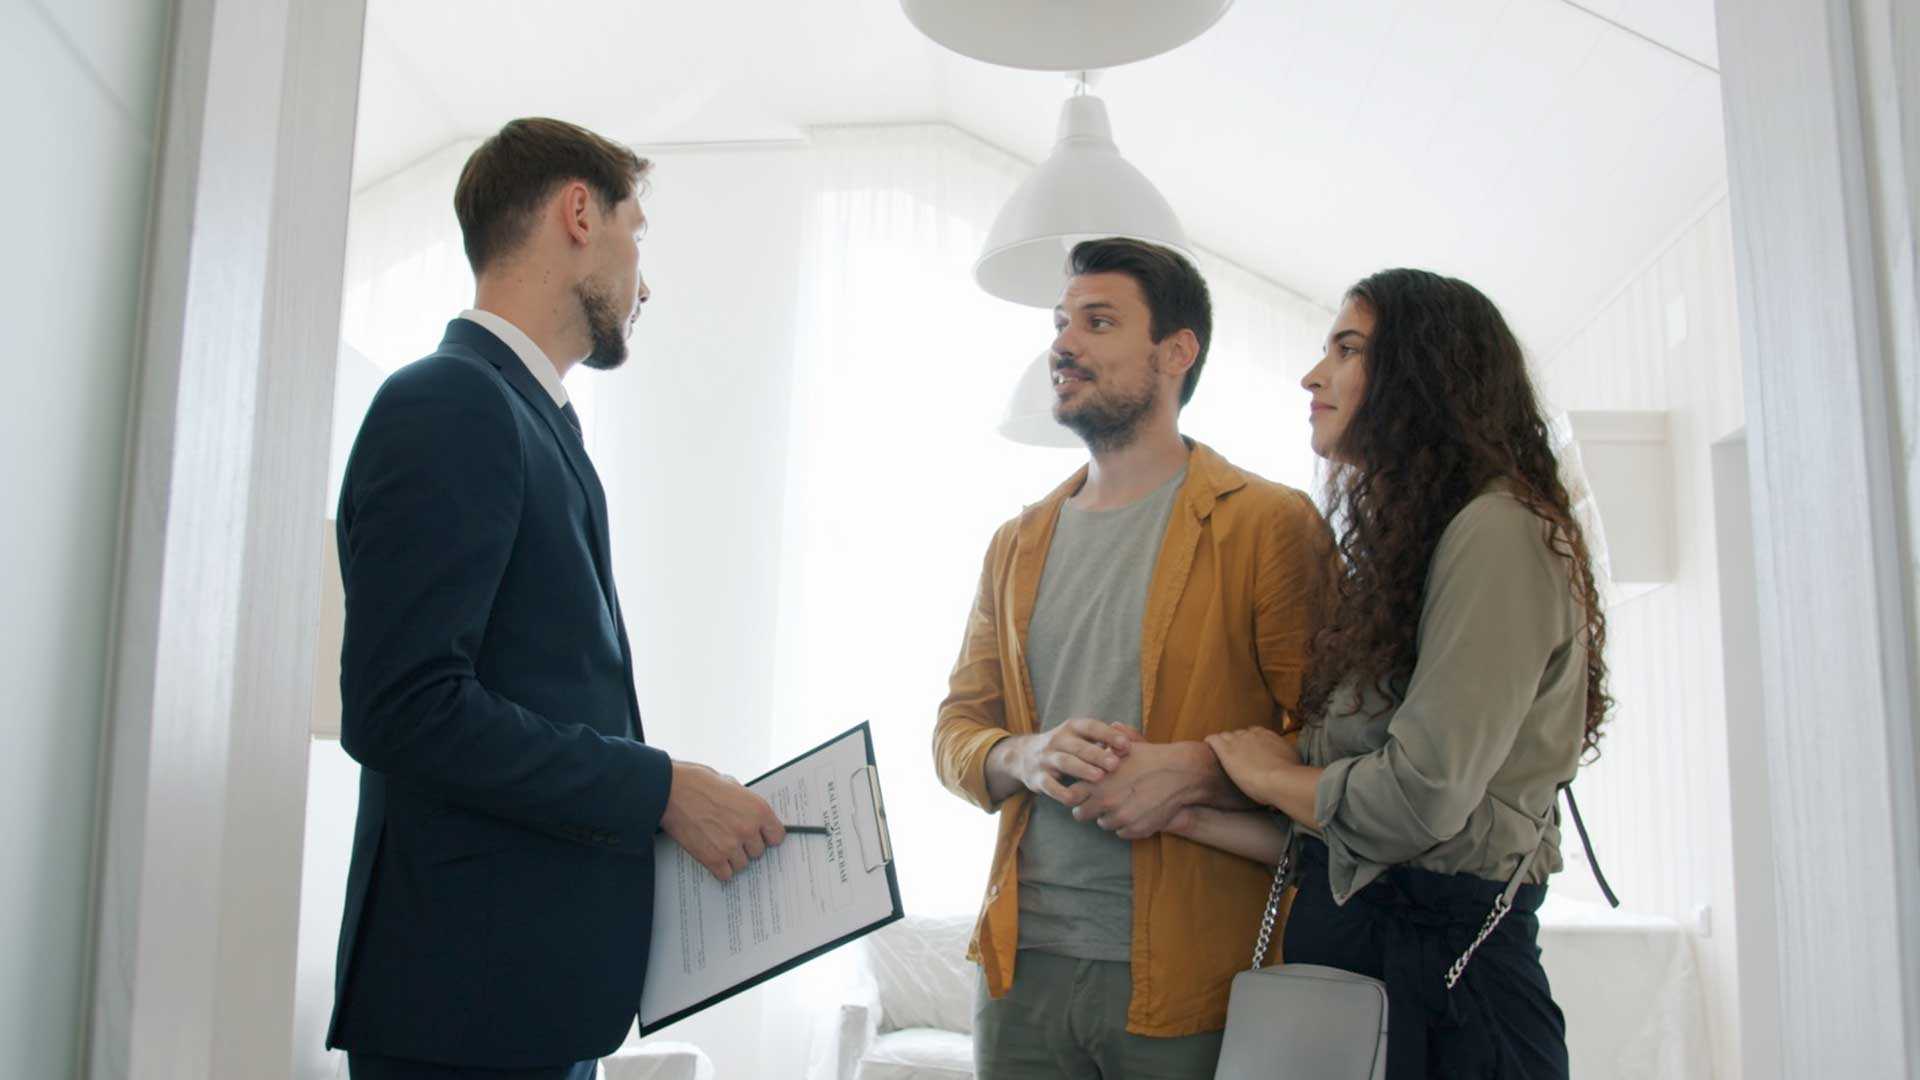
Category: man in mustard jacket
[1160,595]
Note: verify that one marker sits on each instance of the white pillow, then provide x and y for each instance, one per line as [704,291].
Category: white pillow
[918,1054]
[919,965]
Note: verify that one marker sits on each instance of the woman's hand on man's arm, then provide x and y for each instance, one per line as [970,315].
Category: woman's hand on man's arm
[1266,765]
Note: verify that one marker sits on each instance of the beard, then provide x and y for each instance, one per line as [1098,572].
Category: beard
[1109,417]
[605,327]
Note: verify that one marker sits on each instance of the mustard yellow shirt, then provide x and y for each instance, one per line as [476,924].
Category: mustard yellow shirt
[1243,580]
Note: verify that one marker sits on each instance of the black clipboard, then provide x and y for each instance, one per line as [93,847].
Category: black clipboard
[878,858]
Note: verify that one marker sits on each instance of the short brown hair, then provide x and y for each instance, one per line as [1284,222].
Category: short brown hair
[512,173]
[1176,294]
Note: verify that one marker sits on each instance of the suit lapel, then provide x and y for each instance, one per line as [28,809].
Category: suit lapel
[481,342]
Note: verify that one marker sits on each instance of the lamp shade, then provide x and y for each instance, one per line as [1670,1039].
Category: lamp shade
[1029,418]
[1084,189]
[1063,35]
[1626,464]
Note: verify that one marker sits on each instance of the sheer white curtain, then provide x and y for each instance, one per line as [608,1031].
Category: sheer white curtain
[896,477]
[406,272]
[1249,404]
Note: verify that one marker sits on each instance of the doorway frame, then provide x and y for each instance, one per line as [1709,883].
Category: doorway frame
[196,864]
[1823,127]
[1755,928]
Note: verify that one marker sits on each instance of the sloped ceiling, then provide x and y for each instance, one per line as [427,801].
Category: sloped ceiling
[1542,149]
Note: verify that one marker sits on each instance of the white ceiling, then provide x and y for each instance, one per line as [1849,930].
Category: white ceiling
[1542,149]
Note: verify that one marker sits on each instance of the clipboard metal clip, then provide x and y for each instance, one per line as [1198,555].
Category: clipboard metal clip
[877,807]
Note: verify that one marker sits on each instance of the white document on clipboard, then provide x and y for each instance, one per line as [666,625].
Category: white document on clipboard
[811,894]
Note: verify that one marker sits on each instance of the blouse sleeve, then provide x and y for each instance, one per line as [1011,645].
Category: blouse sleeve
[1498,606]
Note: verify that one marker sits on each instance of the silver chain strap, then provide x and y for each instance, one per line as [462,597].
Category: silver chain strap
[1273,910]
[1501,905]
[1500,908]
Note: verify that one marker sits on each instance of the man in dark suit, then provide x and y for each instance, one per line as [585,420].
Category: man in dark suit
[499,901]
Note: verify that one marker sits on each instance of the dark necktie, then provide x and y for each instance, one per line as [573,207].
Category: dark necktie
[574,419]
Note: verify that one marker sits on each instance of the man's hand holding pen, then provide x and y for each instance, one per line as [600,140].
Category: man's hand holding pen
[719,822]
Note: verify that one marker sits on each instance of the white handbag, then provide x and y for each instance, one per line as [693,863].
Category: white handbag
[1302,1021]
[1308,1022]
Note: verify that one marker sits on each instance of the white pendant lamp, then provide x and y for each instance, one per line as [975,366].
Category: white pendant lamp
[1063,35]
[1029,417]
[1084,189]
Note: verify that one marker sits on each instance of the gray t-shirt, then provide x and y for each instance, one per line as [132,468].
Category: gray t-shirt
[1083,655]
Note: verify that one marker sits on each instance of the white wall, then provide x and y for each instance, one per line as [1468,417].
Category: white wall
[1658,797]
[80,80]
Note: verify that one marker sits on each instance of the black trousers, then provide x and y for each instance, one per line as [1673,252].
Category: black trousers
[366,1067]
[1406,929]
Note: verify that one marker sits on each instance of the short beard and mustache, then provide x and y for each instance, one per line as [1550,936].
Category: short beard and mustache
[605,327]
[1110,418]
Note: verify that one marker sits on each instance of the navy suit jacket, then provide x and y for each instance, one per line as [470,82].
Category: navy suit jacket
[500,898]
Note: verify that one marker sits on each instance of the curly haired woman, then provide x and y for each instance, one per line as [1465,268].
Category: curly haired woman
[1454,691]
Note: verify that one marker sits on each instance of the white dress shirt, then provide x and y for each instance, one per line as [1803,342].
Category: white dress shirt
[531,355]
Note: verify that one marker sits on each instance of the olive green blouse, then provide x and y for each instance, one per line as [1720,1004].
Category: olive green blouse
[1460,774]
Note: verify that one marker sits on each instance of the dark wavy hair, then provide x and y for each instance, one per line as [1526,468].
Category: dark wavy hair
[1448,409]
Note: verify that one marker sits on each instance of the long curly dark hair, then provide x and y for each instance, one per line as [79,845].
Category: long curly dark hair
[1448,408]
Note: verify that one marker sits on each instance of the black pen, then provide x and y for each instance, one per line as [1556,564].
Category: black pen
[807,830]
